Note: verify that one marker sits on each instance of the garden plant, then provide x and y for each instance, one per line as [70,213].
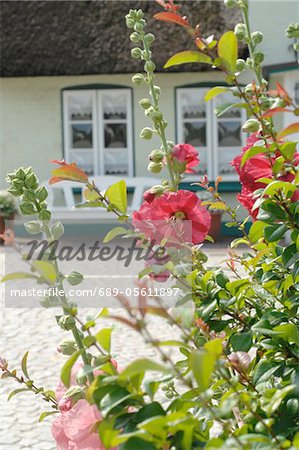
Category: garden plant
[235,384]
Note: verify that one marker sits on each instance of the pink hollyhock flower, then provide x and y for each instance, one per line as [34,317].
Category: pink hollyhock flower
[246,198]
[75,429]
[254,168]
[166,215]
[186,154]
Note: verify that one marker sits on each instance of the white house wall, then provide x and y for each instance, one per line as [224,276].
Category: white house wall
[272,17]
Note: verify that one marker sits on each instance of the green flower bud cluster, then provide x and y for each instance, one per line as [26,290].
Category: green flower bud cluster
[67,347]
[251,126]
[240,31]
[66,322]
[156,156]
[24,183]
[292,31]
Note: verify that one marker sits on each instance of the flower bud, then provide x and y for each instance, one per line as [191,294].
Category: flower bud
[292,31]
[20,173]
[27,209]
[17,183]
[156,156]
[240,31]
[67,347]
[230,3]
[156,116]
[145,103]
[138,79]
[130,22]
[157,189]
[241,65]
[139,14]
[28,195]
[155,167]
[136,53]
[149,66]
[41,194]
[66,322]
[57,230]
[31,181]
[74,278]
[258,57]
[265,102]
[135,37]
[149,38]
[45,214]
[146,133]
[139,26]
[15,192]
[257,37]
[33,227]
[251,126]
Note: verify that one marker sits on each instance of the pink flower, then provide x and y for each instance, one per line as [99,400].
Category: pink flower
[186,154]
[167,216]
[246,198]
[76,429]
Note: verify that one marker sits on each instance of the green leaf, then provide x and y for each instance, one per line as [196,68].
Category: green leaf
[15,392]
[263,371]
[140,366]
[288,150]
[117,195]
[277,398]
[136,443]
[241,342]
[67,369]
[256,231]
[46,270]
[228,50]
[16,276]
[276,186]
[288,332]
[215,91]
[151,410]
[103,337]
[46,414]
[187,56]
[252,152]
[225,107]
[274,233]
[24,365]
[202,365]
[218,205]
[117,231]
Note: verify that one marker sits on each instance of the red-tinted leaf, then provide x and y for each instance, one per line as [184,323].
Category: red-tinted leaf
[172,17]
[291,129]
[273,111]
[69,172]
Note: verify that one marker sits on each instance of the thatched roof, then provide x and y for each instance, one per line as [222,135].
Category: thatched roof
[90,37]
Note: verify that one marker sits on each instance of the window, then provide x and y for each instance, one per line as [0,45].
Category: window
[98,130]
[218,140]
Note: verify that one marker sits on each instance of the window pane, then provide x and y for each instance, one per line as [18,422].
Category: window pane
[83,159]
[80,106]
[229,134]
[225,157]
[227,98]
[116,135]
[81,136]
[195,133]
[116,162]
[114,106]
[193,105]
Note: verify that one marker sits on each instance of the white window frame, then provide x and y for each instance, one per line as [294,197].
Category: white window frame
[212,147]
[98,123]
